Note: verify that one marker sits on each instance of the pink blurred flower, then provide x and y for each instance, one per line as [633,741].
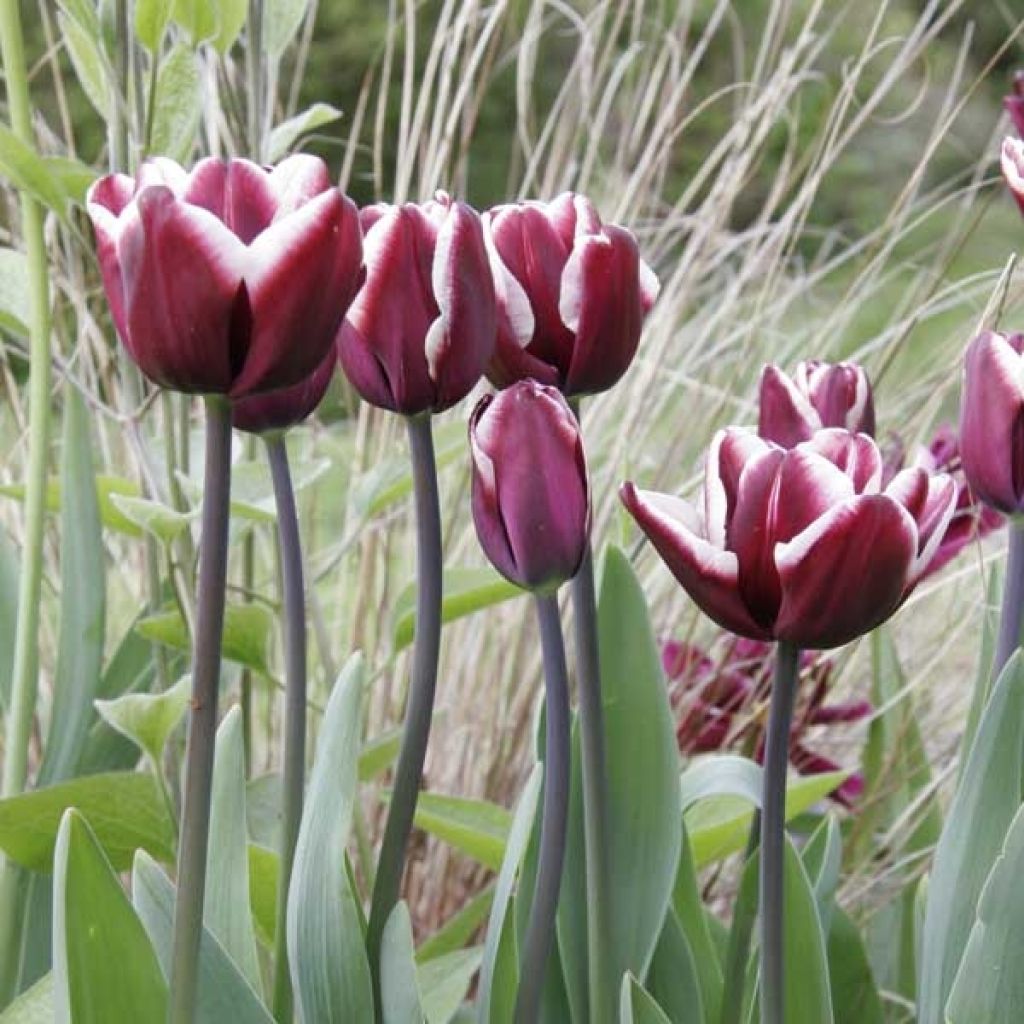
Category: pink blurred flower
[1014,103]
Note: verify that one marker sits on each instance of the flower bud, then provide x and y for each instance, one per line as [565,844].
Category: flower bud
[231,278]
[274,411]
[572,295]
[992,420]
[818,395]
[422,328]
[531,499]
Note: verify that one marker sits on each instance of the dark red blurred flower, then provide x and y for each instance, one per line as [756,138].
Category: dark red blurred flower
[800,545]
[278,410]
[1014,103]
[720,703]
[1012,163]
[572,295]
[421,330]
[819,394]
[231,278]
[531,497]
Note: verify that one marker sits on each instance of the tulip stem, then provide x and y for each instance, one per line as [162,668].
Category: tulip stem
[595,792]
[202,724]
[1013,600]
[25,667]
[540,931]
[293,594]
[773,833]
[423,682]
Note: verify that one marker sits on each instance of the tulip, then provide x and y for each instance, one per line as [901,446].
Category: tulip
[230,279]
[992,420]
[818,395]
[531,501]
[572,295]
[421,330]
[1014,103]
[801,545]
[1012,163]
[274,411]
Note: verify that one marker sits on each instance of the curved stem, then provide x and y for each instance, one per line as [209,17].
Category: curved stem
[25,669]
[1013,600]
[293,589]
[420,709]
[540,931]
[773,833]
[202,724]
[595,793]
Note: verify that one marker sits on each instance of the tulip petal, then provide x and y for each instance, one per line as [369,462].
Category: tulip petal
[856,455]
[301,275]
[785,415]
[931,499]
[1012,164]
[182,274]
[846,573]
[286,407]
[296,180]
[106,201]
[992,422]
[731,449]
[709,574]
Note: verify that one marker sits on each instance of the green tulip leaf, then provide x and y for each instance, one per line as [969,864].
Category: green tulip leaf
[33,1006]
[399,985]
[672,980]
[476,827]
[264,872]
[854,992]
[148,719]
[178,104]
[457,931]
[444,982]
[637,1006]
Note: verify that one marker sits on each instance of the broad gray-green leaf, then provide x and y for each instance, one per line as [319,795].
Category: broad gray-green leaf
[330,972]
[226,910]
[500,920]
[82,599]
[148,719]
[14,291]
[285,134]
[444,982]
[33,1006]
[855,996]
[178,103]
[90,68]
[400,993]
[154,517]
[125,809]
[247,632]
[972,837]
[104,968]
[637,1006]
[224,995]
[672,979]
[989,986]
[281,20]
[151,18]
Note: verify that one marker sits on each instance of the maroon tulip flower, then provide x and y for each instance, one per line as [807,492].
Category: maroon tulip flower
[531,499]
[274,411]
[792,409]
[992,420]
[1012,163]
[421,331]
[799,545]
[572,295]
[719,703]
[230,279]
[1014,103]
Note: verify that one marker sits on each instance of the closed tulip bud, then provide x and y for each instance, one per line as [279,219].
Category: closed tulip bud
[1014,103]
[1012,163]
[274,411]
[992,420]
[230,279]
[531,499]
[572,295]
[800,545]
[818,395]
[422,328]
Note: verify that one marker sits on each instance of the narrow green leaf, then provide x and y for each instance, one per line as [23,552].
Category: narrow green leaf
[197,17]
[105,487]
[501,922]
[155,518]
[90,68]
[476,827]
[636,1006]
[247,632]
[400,993]
[330,972]
[264,872]
[224,995]
[378,753]
[73,176]
[14,291]
[151,19]
[226,910]
[148,719]
[972,837]
[286,133]
[464,591]
[281,20]
[458,929]
[33,1006]
[672,980]
[231,18]
[854,993]
[125,810]
[82,600]
[444,982]
[26,170]
[983,678]
[822,857]
[177,107]
[103,965]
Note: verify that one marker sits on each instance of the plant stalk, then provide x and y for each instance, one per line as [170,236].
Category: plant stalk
[420,709]
[540,930]
[773,833]
[25,669]
[293,595]
[202,724]
[601,975]
[1010,619]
